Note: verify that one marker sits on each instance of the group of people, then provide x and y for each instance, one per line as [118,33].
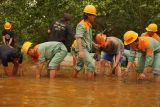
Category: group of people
[110,50]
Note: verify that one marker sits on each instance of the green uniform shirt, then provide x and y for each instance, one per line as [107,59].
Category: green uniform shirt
[84,31]
[126,53]
[148,47]
[47,50]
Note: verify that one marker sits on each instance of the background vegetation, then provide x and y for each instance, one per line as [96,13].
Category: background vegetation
[30,18]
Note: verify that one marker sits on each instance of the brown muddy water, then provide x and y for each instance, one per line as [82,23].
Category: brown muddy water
[65,91]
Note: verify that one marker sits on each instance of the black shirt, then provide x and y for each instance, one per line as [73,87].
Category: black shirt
[60,32]
[8,35]
[7,54]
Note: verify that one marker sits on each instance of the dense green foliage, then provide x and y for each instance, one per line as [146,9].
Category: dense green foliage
[30,18]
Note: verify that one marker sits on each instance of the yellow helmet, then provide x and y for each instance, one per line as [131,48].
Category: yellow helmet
[25,47]
[90,9]
[152,27]
[7,25]
[129,37]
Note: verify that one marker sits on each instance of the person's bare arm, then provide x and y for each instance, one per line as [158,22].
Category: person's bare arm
[39,70]
[10,41]
[117,58]
[125,73]
[4,40]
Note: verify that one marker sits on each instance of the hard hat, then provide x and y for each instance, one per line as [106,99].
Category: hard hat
[90,9]
[7,26]
[100,39]
[152,27]
[129,37]
[25,47]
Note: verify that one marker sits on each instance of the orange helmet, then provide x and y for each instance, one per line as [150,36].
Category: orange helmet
[7,25]
[101,38]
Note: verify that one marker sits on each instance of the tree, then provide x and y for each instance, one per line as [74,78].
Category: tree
[31,18]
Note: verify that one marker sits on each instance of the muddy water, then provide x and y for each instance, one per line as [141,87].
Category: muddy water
[67,92]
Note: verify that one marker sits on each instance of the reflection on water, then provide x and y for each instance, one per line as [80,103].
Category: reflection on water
[67,92]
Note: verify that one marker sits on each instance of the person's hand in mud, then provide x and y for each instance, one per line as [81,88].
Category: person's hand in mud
[145,72]
[115,63]
[126,71]
[141,76]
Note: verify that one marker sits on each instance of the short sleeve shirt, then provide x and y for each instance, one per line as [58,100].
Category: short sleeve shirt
[60,32]
[84,31]
[8,35]
[115,45]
